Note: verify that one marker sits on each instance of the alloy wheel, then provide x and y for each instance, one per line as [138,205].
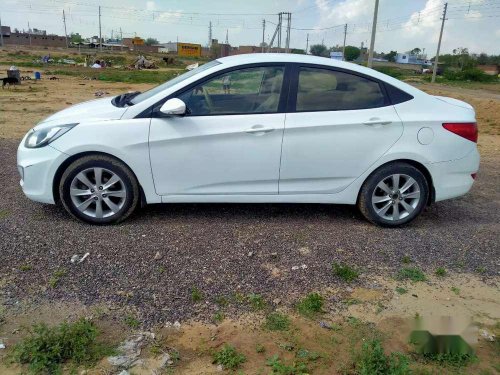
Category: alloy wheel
[396,197]
[98,192]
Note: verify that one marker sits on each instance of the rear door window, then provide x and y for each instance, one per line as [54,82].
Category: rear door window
[328,90]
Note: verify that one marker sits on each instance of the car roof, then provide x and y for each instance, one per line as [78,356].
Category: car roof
[252,58]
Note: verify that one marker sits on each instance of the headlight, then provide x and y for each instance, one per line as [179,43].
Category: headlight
[42,137]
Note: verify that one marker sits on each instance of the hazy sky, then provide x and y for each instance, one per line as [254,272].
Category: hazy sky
[402,24]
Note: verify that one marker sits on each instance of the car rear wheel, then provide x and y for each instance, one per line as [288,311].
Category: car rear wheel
[394,195]
[99,189]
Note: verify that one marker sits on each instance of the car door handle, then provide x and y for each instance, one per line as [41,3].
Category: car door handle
[376,121]
[258,129]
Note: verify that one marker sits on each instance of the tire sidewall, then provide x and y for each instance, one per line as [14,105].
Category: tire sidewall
[384,172]
[97,162]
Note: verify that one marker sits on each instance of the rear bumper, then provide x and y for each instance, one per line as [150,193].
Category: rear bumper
[453,178]
[37,168]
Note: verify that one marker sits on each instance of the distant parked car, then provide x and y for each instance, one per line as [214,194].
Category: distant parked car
[289,128]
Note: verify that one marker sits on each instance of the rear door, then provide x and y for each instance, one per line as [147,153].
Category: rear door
[339,124]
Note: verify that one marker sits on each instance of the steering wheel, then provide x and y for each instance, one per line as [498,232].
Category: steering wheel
[208,99]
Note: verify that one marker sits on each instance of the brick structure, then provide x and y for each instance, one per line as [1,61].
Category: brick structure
[39,40]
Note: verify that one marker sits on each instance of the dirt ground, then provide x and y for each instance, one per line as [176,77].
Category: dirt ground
[208,246]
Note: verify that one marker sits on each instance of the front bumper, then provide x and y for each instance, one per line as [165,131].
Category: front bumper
[37,168]
[453,178]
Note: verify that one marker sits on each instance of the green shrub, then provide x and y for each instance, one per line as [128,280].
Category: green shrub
[277,322]
[390,71]
[441,272]
[256,301]
[311,305]
[196,294]
[411,273]
[373,361]
[46,349]
[471,74]
[280,368]
[229,357]
[345,272]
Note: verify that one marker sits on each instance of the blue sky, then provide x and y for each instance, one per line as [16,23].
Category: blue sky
[402,25]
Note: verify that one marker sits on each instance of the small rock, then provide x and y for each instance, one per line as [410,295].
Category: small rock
[220,368]
[165,360]
[157,255]
[274,255]
[250,253]
[177,325]
[2,345]
[277,301]
[304,251]
[325,325]
[487,336]
[124,372]
[75,258]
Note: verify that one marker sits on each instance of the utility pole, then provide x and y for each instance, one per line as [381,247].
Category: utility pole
[227,36]
[1,33]
[65,32]
[29,32]
[263,34]
[307,44]
[121,39]
[210,34]
[280,20]
[374,31]
[100,36]
[276,33]
[288,28]
[434,71]
[345,36]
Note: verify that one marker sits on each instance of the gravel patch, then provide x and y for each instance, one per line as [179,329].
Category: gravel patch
[152,261]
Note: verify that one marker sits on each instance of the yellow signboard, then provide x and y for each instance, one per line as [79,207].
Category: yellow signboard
[188,49]
[136,41]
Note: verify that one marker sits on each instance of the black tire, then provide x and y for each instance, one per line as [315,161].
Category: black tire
[370,189]
[128,184]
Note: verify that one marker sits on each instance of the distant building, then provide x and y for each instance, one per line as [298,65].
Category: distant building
[491,70]
[408,58]
[33,37]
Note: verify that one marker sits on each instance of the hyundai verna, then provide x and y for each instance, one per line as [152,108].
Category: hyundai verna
[256,128]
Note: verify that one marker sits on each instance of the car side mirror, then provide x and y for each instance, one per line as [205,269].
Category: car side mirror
[173,107]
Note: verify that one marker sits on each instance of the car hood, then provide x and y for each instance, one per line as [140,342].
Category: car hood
[453,101]
[99,109]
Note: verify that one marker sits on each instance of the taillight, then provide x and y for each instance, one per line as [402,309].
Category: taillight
[468,130]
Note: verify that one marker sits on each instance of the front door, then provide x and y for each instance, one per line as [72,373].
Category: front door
[229,142]
[340,124]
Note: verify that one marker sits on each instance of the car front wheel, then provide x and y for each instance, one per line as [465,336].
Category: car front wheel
[394,195]
[99,189]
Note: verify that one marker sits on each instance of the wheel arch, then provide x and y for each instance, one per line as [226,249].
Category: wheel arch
[421,167]
[72,158]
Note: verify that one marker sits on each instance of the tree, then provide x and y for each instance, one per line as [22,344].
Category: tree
[151,41]
[76,38]
[351,53]
[319,50]
[415,51]
[391,56]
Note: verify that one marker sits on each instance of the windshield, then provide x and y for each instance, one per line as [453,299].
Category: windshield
[155,90]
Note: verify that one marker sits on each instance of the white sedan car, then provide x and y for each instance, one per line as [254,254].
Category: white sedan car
[256,128]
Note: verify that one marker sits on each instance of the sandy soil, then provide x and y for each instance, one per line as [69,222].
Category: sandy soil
[380,309]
